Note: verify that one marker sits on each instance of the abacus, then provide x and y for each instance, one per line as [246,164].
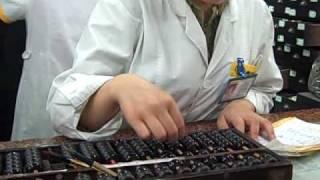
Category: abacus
[215,154]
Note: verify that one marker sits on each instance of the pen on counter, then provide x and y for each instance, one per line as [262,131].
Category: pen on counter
[92,163]
[82,162]
[70,161]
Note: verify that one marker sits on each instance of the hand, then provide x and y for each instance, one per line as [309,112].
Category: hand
[149,110]
[241,115]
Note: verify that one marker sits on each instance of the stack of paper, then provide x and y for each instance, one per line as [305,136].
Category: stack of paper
[294,137]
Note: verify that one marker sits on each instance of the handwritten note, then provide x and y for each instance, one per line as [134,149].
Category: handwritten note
[294,137]
[297,132]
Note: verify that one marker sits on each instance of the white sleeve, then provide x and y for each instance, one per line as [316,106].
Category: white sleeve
[105,50]
[13,10]
[269,80]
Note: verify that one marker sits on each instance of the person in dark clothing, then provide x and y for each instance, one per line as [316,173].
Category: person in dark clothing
[12,44]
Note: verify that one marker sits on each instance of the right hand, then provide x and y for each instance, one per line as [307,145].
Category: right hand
[149,110]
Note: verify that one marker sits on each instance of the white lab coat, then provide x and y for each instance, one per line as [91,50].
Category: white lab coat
[13,10]
[53,30]
[162,41]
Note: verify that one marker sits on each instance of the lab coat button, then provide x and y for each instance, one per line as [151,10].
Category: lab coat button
[26,54]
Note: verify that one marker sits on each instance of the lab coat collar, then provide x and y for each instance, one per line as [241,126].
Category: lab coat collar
[195,33]
[180,7]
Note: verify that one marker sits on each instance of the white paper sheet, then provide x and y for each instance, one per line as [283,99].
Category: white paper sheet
[295,138]
[297,132]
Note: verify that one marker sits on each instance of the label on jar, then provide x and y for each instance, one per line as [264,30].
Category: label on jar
[306,53]
[301,27]
[293,98]
[300,42]
[280,38]
[293,73]
[287,49]
[312,14]
[278,99]
[287,10]
[293,12]
[281,23]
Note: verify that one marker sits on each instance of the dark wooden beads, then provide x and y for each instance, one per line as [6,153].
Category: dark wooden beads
[197,153]
[197,166]
[33,160]
[204,141]
[126,152]
[190,144]
[13,163]
[177,148]
[179,167]
[65,150]
[124,174]
[143,172]
[82,176]
[222,142]
[106,177]
[88,150]
[107,152]
[157,147]
[237,141]
[141,148]
[162,170]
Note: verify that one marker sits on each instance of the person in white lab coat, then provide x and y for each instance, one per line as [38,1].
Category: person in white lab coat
[146,64]
[53,30]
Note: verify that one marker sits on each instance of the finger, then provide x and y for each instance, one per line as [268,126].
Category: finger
[136,123]
[266,126]
[176,115]
[156,128]
[222,123]
[140,128]
[254,126]
[170,126]
[239,124]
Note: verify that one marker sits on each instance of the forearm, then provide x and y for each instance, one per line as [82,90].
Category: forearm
[100,109]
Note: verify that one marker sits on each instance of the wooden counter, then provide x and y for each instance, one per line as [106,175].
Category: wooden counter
[311,115]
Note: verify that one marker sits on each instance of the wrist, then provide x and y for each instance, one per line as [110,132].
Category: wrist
[101,107]
[113,88]
[245,103]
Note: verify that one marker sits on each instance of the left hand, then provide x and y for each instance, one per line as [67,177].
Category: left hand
[241,115]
